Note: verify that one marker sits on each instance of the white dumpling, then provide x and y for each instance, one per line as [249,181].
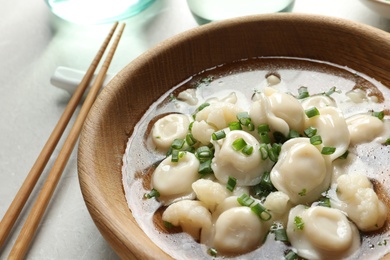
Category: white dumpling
[219,114]
[238,230]
[364,128]
[321,233]
[202,131]
[332,128]
[188,96]
[278,205]
[356,197]
[301,172]
[191,215]
[318,101]
[287,108]
[247,169]
[173,180]
[169,128]
[211,193]
[257,112]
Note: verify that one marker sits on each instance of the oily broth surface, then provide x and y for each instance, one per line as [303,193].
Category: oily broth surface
[244,76]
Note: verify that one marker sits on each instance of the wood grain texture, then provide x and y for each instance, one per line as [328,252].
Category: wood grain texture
[125,99]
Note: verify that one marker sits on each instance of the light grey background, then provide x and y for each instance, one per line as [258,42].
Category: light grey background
[32,44]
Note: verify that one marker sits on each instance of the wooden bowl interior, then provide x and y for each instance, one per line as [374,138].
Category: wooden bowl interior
[129,94]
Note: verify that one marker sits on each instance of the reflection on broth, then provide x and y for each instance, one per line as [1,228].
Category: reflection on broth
[323,171]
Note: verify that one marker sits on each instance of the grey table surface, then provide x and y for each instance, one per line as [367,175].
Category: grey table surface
[33,43]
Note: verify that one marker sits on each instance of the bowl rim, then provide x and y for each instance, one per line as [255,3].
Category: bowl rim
[98,206]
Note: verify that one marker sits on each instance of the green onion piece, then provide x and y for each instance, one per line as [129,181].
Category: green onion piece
[251,127]
[201,107]
[310,131]
[303,93]
[177,143]
[235,126]
[327,150]
[263,151]
[344,155]
[245,200]
[380,114]
[244,118]
[279,137]
[299,224]
[213,252]
[387,142]
[280,235]
[231,184]
[291,255]
[260,211]
[302,193]
[316,140]
[190,139]
[168,225]
[205,167]
[203,153]
[238,144]
[293,134]
[265,182]
[247,150]
[331,91]
[169,152]
[176,155]
[218,135]
[264,138]
[324,202]
[152,194]
[274,151]
[190,125]
[311,112]
[263,128]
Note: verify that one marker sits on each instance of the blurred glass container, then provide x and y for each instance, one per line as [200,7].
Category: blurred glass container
[206,11]
[96,11]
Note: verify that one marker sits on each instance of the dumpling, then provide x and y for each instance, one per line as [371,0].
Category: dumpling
[318,101]
[202,131]
[169,128]
[238,230]
[321,233]
[356,197]
[211,193]
[364,128]
[332,128]
[191,215]
[247,169]
[173,180]
[301,172]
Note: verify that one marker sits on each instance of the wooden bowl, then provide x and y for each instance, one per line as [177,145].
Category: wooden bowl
[122,103]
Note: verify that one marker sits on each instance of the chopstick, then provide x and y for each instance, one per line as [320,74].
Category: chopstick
[30,181]
[28,230]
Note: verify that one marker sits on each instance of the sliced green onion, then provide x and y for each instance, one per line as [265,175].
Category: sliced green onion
[251,127]
[218,135]
[263,151]
[168,225]
[274,151]
[176,155]
[152,194]
[190,139]
[291,255]
[293,134]
[327,150]
[279,137]
[190,125]
[387,141]
[263,128]
[235,126]
[280,233]
[265,182]
[316,140]
[302,192]
[205,167]
[312,112]
[247,150]
[331,91]
[344,155]
[213,252]
[203,153]
[303,93]
[231,184]
[324,202]
[177,143]
[310,131]
[261,212]
[264,138]
[244,118]
[201,107]
[380,114]
[239,144]
[298,222]
[169,152]
[245,200]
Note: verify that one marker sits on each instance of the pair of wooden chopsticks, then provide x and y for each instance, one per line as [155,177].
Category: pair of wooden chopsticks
[26,234]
